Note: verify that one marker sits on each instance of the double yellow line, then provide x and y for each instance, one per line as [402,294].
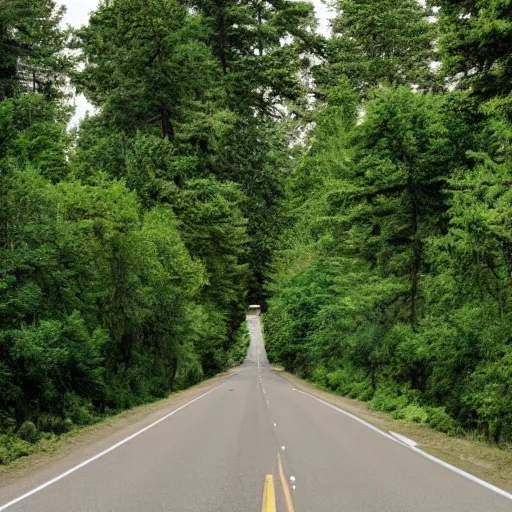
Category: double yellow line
[269,493]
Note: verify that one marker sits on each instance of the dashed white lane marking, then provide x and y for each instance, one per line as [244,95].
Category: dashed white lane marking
[455,469]
[101,454]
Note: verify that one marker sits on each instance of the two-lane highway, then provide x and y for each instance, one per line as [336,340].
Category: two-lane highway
[215,453]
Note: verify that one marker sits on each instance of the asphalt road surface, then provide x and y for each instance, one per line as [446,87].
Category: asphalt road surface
[214,455]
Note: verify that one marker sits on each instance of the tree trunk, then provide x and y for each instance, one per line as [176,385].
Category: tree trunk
[174,369]
[416,263]
[260,21]
[223,46]
[167,126]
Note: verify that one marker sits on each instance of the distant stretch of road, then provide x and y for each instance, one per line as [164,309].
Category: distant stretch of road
[217,452]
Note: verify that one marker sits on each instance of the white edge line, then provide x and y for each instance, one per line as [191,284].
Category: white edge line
[405,440]
[463,473]
[353,416]
[101,454]
[446,465]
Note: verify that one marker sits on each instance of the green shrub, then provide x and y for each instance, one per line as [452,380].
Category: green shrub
[68,425]
[47,436]
[358,389]
[28,432]
[319,376]
[78,410]
[413,413]
[352,392]
[59,426]
[190,371]
[439,420]
[54,424]
[337,381]
[12,447]
[45,423]
[237,352]
[345,381]
[364,391]
[386,399]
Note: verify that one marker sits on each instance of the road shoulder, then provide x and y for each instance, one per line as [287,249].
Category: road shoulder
[85,442]
[481,459]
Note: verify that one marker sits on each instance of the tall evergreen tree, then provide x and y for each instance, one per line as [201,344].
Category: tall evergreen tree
[383,42]
[261,46]
[145,64]
[31,48]
[476,43]
[396,186]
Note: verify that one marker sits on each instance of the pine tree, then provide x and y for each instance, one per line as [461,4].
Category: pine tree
[392,189]
[383,42]
[31,44]
[261,46]
[476,44]
[145,64]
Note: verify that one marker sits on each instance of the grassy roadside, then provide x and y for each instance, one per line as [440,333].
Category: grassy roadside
[46,435]
[477,457]
[47,451]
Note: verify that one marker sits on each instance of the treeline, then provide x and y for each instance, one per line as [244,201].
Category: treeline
[393,281]
[130,247]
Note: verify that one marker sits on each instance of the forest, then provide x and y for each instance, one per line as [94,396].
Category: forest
[356,183]
[392,282]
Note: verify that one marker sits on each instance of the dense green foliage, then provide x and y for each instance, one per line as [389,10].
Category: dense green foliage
[476,43]
[30,48]
[388,42]
[368,186]
[392,283]
[129,246]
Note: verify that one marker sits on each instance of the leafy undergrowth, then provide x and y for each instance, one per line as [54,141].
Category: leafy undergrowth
[30,438]
[12,447]
[399,401]
[238,350]
[33,437]
[42,437]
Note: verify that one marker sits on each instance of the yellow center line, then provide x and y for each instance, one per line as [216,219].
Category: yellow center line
[269,495]
[284,483]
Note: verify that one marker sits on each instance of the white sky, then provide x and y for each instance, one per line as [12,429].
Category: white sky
[77,11]
[77,14]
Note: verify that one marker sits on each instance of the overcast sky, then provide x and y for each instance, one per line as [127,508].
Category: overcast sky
[77,11]
[77,14]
